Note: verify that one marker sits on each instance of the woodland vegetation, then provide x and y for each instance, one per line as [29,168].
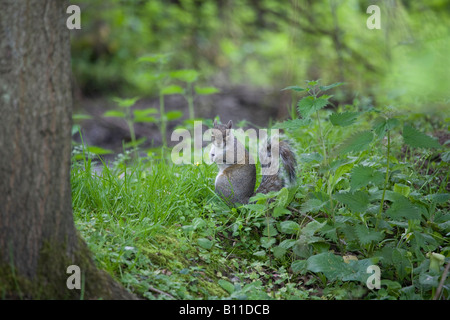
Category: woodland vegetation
[367,112]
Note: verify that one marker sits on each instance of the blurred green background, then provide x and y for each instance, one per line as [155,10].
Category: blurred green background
[268,45]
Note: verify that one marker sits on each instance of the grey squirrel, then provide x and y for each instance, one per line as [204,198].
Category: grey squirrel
[236,179]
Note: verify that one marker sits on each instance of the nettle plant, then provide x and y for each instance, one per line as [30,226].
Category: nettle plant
[366,206]
[163,79]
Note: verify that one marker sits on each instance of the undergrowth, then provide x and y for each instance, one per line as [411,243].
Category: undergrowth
[372,190]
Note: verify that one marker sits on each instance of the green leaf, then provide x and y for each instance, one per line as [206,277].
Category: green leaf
[381,125]
[280,211]
[145,119]
[439,197]
[308,105]
[332,266]
[330,86]
[98,150]
[312,227]
[292,124]
[295,88]
[298,266]
[188,75]
[279,252]
[417,139]
[356,201]
[267,242]
[173,115]
[144,112]
[125,103]
[402,189]
[289,227]
[313,83]
[173,89]
[403,208]
[161,58]
[310,157]
[367,235]
[361,176]
[114,113]
[312,205]
[206,90]
[205,243]
[80,116]
[356,143]
[344,119]
[228,286]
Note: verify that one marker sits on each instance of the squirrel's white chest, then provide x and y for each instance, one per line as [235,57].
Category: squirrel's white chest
[222,168]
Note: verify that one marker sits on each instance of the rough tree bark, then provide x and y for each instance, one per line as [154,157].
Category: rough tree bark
[38,239]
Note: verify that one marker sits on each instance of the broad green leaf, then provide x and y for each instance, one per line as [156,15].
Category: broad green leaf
[402,189]
[279,252]
[299,266]
[403,208]
[185,75]
[361,176]
[292,124]
[145,119]
[367,235]
[356,201]
[283,197]
[206,90]
[173,115]
[417,139]
[310,157]
[332,266]
[289,227]
[330,86]
[312,227]
[75,128]
[125,103]
[313,83]
[144,112]
[228,286]
[308,105]
[205,243]
[161,58]
[439,197]
[356,143]
[312,205]
[344,119]
[80,116]
[280,211]
[98,150]
[267,242]
[114,113]
[295,88]
[381,125]
[173,89]
[270,231]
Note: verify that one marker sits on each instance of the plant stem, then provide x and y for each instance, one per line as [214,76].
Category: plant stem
[322,139]
[190,100]
[386,180]
[162,116]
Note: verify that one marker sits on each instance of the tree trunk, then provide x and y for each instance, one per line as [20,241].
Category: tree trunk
[38,239]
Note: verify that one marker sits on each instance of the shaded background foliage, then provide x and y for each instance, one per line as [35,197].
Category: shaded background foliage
[261,47]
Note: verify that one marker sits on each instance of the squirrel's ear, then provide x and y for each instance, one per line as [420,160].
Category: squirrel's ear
[230,124]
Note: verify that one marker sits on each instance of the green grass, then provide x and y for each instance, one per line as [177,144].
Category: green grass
[163,233]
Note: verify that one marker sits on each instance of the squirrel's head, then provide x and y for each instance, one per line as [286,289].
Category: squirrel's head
[221,134]
[221,137]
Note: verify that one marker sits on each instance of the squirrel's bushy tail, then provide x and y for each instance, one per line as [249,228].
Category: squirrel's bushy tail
[285,174]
